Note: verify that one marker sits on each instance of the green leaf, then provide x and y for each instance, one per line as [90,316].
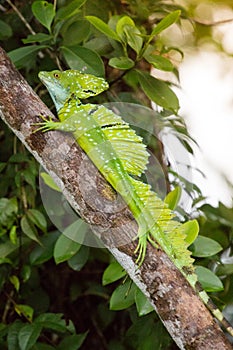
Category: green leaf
[165,23]
[5,261]
[173,197]
[159,62]
[143,305]
[69,10]
[21,56]
[121,63]
[146,334]
[42,346]
[209,281]
[133,38]
[224,269]
[29,229]
[55,322]
[102,27]
[8,247]
[5,31]
[25,310]
[28,336]
[15,281]
[28,177]
[113,273]
[18,158]
[3,330]
[2,166]
[8,211]
[44,13]
[12,336]
[13,234]
[158,91]
[25,273]
[43,253]
[76,32]
[123,296]
[72,342]
[204,247]
[65,248]
[76,231]
[83,59]
[121,24]
[37,218]
[190,229]
[48,180]
[79,259]
[38,37]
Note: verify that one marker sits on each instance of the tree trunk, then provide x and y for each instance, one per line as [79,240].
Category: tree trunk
[186,318]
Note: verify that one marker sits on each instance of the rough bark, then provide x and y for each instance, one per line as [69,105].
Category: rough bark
[180,309]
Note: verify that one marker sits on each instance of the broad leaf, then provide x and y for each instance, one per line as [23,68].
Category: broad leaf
[158,91]
[44,13]
[38,37]
[133,38]
[129,33]
[123,296]
[159,62]
[72,342]
[102,27]
[15,281]
[12,336]
[121,63]
[21,56]
[5,30]
[56,322]
[8,211]
[143,305]
[48,180]
[83,59]
[121,24]
[165,23]
[70,9]
[205,247]
[113,273]
[24,310]
[43,253]
[65,248]
[209,281]
[37,218]
[190,229]
[29,229]
[79,259]
[76,32]
[8,247]
[13,234]
[28,336]
[173,197]
[2,166]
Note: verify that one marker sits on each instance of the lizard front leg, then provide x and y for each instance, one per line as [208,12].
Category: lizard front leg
[49,124]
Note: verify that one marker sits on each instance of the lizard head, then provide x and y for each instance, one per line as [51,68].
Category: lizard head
[61,85]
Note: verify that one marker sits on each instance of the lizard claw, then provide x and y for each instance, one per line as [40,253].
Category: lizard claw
[47,125]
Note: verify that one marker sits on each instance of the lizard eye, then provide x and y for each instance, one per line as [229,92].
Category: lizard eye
[56,75]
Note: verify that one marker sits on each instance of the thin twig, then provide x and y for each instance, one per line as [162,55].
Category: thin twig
[23,19]
[55,5]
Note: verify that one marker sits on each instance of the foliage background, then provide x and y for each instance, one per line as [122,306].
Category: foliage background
[57,297]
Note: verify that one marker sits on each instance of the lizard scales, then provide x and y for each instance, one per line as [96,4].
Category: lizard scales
[118,153]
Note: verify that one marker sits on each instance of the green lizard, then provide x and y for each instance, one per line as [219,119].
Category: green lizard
[119,154]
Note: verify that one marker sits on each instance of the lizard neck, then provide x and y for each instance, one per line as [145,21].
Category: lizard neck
[72,103]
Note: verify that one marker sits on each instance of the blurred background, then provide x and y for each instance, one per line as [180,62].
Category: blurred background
[206,92]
